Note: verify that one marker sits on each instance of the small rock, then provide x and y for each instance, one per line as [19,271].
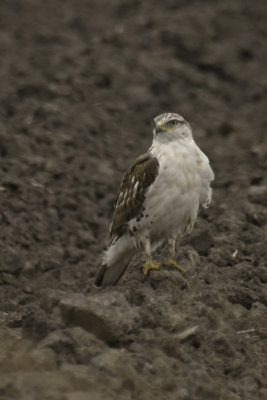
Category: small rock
[28,289]
[29,267]
[258,194]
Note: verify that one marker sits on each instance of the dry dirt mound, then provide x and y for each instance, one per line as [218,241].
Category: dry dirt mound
[80,83]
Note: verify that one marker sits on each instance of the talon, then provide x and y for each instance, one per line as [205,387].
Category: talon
[173,263]
[150,264]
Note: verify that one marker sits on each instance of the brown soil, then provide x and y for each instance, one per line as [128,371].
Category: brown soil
[80,84]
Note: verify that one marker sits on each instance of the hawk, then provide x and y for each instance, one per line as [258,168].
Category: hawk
[158,199]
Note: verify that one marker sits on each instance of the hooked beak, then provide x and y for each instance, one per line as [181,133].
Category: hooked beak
[158,128]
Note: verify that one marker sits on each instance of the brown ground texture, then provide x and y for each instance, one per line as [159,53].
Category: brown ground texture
[81,82]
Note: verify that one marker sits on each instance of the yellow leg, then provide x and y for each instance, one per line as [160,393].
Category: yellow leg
[173,263]
[150,264]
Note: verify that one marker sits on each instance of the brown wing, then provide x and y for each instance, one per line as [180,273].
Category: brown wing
[131,195]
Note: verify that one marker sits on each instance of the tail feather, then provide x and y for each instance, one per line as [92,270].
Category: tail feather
[116,260]
[100,275]
[107,276]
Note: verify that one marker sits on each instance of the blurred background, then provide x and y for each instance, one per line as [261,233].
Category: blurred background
[81,81]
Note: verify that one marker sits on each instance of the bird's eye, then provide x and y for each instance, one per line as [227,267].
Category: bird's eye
[173,122]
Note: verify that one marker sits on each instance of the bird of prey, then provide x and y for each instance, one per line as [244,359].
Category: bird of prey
[158,199]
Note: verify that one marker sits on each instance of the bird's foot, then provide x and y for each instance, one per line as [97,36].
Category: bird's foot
[172,263]
[150,264]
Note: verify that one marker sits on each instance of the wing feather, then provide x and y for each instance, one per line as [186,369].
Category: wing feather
[131,195]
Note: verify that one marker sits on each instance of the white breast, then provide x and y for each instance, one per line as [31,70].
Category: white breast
[182,184]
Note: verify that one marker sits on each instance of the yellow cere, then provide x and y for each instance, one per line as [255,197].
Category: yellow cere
[162,126]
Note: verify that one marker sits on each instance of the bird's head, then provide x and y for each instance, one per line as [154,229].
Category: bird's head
[170,126]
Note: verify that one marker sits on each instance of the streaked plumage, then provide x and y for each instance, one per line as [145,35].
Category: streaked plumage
[158,199]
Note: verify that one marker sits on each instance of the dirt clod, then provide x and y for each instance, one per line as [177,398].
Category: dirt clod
[81,82]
